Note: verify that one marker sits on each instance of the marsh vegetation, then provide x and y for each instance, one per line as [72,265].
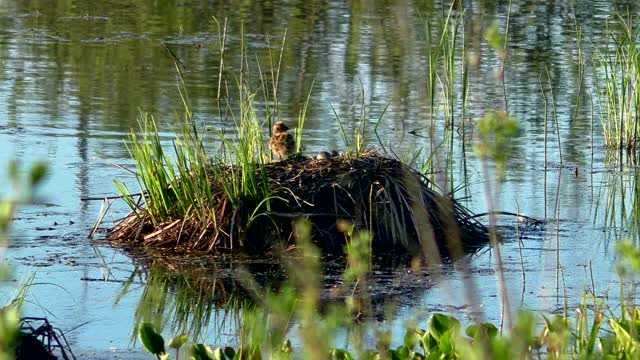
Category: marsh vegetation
[523,112]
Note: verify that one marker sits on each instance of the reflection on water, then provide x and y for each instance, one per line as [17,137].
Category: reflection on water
[192,294]
[73,76]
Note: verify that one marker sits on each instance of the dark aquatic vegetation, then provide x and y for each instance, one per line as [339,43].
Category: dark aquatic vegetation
[40,340]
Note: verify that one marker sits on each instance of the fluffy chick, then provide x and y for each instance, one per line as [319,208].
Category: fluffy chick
[281,142]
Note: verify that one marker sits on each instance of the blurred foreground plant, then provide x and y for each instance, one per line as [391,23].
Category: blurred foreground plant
[23,190]
[497,132]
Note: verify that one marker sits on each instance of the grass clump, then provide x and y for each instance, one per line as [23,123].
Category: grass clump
[617,79]
[189,194]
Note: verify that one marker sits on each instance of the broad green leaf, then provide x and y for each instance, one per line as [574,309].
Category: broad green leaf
[251,353]
[446,345]
[9,325]
[441,323]
[5,271]
[151,340]
[488,329]
[494,37]
[218,354]
[5,214]
[428,342]
[607,344]
[401,353]
[370,355]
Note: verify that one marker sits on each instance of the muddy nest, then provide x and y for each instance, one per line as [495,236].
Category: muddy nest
[396,203]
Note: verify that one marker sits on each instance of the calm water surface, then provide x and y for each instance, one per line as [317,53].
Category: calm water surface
[74,76]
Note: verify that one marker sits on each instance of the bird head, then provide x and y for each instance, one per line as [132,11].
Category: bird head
[280,127]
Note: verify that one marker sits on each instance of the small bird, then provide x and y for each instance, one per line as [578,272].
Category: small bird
[281,142]
[323,155]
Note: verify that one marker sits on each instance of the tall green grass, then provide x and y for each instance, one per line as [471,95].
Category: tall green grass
[175,184]
[184,182]
[617,80]
[447,86]
[355,142]
[443,56]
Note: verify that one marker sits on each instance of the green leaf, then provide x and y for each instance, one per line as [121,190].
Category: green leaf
[248,353]
[151,340]
[178,341]
[5,271]
[441,323]
[204,352]
[6,209]
[255,353]
[622,336]
[436,355]
[476,331]
[9,326]
[607,345]
[494,37]
[429,343]
[218,354]
[446,345]
[593,334]
[401,353]
[370,355]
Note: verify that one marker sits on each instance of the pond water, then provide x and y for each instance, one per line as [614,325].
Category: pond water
[74,76]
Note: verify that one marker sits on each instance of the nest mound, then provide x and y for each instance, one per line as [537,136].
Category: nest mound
[383,195]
